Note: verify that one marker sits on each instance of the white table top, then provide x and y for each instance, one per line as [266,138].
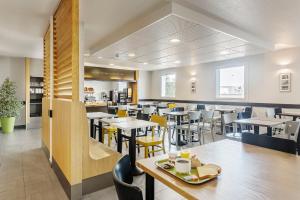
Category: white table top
[268,122]
[177,113]
[225,110]
[137,109]
[117,120]
[129,125]
[99,115]
[296,114]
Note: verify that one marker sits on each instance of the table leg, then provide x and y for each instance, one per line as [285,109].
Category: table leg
[92,128]
[132,153]
[180,142]
[269,131]
[294,118]
[100,131]
[119,142]
[149,187]
[222,124]
[256,129]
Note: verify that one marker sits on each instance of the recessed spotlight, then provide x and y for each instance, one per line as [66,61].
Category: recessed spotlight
[145,63]
[86,54]
[131,54]
[177,62]
[111,64]
[100,57]
[225,52]
[175,40]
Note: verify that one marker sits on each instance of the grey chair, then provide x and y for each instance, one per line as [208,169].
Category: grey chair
[207,124]
[191,129]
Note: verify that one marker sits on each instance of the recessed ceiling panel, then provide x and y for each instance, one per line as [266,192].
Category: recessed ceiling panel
[173,42]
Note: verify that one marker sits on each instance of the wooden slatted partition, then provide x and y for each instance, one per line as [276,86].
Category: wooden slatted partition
[66,50]
[46,98]
[47,64]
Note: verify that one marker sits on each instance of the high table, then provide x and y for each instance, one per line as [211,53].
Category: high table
[263,122]
[131,126]
[248,172]
[178,115]
[290,114]
[97,115]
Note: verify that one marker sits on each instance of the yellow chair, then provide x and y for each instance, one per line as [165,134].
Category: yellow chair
[153,140]
[171,105]
[112,131]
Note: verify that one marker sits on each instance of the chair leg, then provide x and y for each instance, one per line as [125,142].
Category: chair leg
[109,138]
[146,151]
[153,151]
[103,133]
[212,134]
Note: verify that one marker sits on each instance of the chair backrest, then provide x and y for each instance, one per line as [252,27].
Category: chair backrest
[122,113]
[292,129]
[279,144]
[149,110]
[191,107]
[270,112]
[194,116]
[178,109]
[246,114]
[207,116]
[142,116]
[111,110]
[200,107]
[229,118]
[171,105]
[161,120]
[123,178]
[163,111]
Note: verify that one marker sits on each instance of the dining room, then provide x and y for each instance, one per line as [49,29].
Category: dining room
[152,100]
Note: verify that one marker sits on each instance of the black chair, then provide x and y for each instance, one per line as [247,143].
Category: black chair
[123,179]
[279,144]
[200,107]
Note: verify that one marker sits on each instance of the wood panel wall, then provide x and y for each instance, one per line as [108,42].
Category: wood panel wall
[46,71]
[135,88]
[66,50]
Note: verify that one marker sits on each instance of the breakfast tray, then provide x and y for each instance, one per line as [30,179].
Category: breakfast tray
[160,164]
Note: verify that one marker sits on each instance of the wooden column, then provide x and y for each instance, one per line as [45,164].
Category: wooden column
[135,88]
[27,91]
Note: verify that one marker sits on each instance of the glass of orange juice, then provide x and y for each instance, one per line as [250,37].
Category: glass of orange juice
[185,154]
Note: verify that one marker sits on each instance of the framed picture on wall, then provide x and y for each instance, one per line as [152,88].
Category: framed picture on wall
[285,82]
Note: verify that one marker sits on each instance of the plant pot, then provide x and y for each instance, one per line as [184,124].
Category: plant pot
[8,124]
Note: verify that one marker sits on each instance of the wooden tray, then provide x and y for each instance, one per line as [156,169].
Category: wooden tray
[160,164]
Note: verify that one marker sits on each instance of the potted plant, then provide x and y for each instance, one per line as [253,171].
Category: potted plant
[10,106]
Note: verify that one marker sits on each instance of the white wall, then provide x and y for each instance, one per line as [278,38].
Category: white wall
[262,78]
[36,67]
[144,84]
[14,68]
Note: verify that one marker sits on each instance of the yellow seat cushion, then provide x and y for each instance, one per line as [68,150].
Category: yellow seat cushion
[110,128]
[149,140]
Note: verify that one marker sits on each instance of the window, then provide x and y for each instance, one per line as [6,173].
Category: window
[230,82]
[168,85]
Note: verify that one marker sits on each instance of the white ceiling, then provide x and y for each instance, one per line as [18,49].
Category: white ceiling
[22,26]
[151,45]
[274,20]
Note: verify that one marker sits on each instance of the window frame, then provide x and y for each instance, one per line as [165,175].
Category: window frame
[217,82]
[161,86]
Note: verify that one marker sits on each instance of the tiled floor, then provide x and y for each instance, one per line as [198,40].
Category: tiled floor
[25,172]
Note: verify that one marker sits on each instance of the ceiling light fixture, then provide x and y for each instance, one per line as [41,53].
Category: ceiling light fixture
[225,52]
[177,62]
[111,64]
[100,57]
[131,54]
[175,40]
[145,63]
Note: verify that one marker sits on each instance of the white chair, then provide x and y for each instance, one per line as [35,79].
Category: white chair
[228,122]
[207,123]
[270,113]
[149,110]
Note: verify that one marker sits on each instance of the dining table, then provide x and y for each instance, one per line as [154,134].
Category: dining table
[97,115]
[128,129]
[294,115]
[248,172]
[257,122]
